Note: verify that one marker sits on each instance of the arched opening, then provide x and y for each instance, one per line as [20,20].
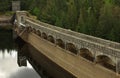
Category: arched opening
[60,43]
[106,62]
[71,47]
[33,30]
[44,35]
[51,39]
[22,19]
[38,33]
[29,29]
[85,53]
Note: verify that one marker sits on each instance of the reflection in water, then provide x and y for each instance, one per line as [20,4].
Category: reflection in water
[24,73]
[5,54]
[6,41]
[8,59]
[7,64]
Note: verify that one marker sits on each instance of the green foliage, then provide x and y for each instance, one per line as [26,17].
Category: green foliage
[5,5]
[94,17]
[35,11]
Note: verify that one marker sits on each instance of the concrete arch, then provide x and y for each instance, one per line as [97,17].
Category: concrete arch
[44,35]
[51,39]
[85,53]
[29,29]
[38,33]
[60,43]
[22,19]
[34,30]
[71,47]
[106,62]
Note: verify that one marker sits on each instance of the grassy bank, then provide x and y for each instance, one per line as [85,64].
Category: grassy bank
[7,13]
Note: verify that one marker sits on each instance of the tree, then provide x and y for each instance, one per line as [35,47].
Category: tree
[71,17]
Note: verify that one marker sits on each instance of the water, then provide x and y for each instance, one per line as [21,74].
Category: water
[8,59]
[16,52]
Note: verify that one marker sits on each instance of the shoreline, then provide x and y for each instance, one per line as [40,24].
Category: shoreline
[5,20]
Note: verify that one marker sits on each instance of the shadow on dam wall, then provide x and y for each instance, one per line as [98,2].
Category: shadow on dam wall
[44,67]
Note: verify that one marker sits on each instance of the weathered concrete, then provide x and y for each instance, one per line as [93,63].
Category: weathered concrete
[72,45]
[45,66]
[15,5]
[95,48]
[74,64]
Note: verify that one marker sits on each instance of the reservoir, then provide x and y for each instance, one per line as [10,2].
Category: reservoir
[16,57]
[9,67]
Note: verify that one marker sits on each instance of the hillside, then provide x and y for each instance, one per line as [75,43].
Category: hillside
[99,18]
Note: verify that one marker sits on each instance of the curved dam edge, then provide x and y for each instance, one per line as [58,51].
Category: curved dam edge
[75,65]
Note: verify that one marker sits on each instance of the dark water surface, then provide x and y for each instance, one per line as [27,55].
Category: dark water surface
[8,58]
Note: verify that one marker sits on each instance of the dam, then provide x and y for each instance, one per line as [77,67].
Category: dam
[69,54]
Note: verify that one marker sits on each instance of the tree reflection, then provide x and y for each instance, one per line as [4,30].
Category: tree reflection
[6,40]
